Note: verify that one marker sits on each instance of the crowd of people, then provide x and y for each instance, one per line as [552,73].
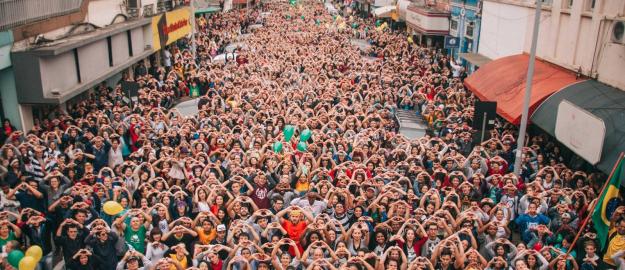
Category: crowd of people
[229,188]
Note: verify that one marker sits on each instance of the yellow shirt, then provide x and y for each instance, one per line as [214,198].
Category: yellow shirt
[616,244]
[302,187]
[183,262]
[205,238]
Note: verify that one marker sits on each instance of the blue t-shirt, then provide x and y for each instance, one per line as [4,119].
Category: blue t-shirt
[527,222]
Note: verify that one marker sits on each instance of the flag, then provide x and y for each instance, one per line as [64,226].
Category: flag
[607,204]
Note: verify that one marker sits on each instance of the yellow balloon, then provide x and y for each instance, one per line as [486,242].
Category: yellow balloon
[27,263]
[35,252]
[112,208]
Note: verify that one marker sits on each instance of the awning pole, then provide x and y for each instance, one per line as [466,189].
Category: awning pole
[528,92]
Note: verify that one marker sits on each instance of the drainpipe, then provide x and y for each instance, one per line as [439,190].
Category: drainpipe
[597,51]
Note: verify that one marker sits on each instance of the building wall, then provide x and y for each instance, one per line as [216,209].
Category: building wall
[464,14]
[120,48]
[611,66]
[503,30]
[102,12]
[58,73]
[575,36]
[93,60]
[33,29]
[9,97]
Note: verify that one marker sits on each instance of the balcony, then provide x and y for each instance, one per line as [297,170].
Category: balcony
[18,12]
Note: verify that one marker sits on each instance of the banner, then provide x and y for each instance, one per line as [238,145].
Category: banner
[171,26]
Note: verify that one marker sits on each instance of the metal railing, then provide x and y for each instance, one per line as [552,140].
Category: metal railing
[18,12]
[148,10]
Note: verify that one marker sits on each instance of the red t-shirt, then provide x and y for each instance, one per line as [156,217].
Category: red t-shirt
[218,266]
[295,231]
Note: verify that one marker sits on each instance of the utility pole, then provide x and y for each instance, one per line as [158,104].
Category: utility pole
[528,92]
[193,32]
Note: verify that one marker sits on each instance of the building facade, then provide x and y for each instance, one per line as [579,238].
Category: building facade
[464,24]
[585,36]
[56,52]
[428,25]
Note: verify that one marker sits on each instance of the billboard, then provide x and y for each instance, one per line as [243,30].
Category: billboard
[581,131]
[170,26]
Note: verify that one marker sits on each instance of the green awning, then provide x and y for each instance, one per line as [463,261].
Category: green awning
[207,10]
[604,102]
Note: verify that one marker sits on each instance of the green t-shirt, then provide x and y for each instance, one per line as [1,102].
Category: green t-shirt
[136,239]
[3,241]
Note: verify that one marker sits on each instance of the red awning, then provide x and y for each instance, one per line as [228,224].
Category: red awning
[503,81]
[240,2]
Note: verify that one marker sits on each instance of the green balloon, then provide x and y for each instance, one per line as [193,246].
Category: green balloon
[288,132]
[277,147]
[15,257]
[305,135]
[302,146]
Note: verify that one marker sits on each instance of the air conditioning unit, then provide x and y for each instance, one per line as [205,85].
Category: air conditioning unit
[133,3]
[617,32]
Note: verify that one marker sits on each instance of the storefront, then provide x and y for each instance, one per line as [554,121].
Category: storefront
[47,77]
[428,26]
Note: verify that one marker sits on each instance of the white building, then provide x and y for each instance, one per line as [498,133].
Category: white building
[584,36]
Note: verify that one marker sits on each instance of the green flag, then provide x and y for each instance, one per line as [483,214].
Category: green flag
[607,204]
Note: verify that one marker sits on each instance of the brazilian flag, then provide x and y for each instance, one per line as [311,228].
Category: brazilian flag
[607,204]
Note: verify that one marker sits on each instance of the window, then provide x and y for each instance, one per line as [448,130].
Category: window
[468,32]
[453,26]
[567,4]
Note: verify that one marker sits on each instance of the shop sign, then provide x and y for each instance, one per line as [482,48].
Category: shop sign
[452,42]
[428,23]
[171,26]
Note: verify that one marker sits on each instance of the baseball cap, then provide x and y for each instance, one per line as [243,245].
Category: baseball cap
[221,228]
